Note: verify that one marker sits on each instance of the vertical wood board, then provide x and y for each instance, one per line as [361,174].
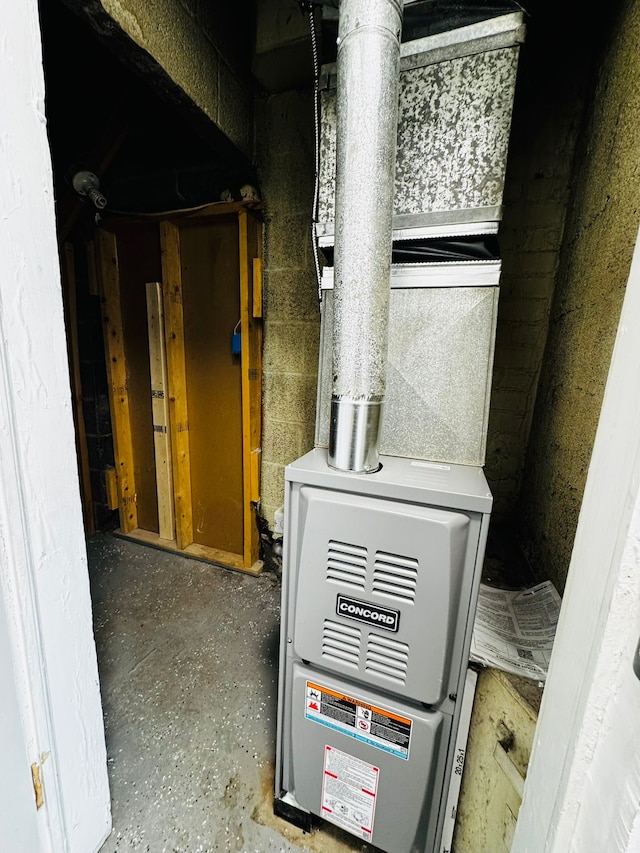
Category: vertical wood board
[160,410]
[138,262]
[177,382]
[111,487]
[248,249]
[256,300]
[117,374]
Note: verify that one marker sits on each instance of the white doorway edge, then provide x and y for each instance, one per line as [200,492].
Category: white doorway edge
[44,594]
[582,793]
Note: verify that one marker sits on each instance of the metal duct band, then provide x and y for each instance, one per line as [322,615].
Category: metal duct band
[353,436]
[368,67]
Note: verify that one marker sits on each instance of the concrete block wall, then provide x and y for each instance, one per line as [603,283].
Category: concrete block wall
[547,114]
[285,155]
[600,234]
[205,48]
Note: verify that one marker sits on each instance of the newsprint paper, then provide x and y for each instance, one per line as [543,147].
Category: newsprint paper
[514,629]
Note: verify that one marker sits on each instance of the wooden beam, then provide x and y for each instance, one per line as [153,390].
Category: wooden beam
[250,361]
[117,374]
[257,288]
[177,382]
[160,410]
[206,553]
[203,211]
[73,348]
[111,486]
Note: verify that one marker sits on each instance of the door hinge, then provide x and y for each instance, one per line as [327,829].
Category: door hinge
[37,785]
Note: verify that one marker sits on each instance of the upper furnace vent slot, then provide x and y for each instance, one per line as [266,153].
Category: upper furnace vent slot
[395,576]
[347,564]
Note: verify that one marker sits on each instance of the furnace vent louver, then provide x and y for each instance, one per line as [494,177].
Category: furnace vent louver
[387,657]
[341,643]
[347,564]
[395,576]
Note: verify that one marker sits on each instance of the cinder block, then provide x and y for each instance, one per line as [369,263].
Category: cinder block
[272,483]
[287,238]
[289,397]
[281,442]
[521,308]
[509,400]
[285,347]
[534,263]
[517,358]
[509,379]
[291,294]
[505,423]
[535,287]
[520,333]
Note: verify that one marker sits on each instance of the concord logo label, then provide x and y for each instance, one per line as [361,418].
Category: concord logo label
[364,611]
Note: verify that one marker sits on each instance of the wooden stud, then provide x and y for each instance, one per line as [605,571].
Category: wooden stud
[177,382]
[257,287]
[256,456]
[160,410]
[111,486]
[73,346]
[248,520]
[251,375]
[117,374]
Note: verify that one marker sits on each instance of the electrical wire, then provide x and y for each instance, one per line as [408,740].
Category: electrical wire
[316,130]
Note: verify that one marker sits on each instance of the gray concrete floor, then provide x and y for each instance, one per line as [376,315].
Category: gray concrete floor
[187,658]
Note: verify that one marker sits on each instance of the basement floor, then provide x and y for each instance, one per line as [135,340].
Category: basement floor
[188,661]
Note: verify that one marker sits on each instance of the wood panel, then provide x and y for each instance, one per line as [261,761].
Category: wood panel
[160,410]
[177,382]
[210,274]
[118,385]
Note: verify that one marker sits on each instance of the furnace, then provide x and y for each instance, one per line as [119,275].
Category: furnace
[386,519]
[379,591]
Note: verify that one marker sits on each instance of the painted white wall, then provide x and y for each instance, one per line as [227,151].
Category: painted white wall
[582,793]
[44,602]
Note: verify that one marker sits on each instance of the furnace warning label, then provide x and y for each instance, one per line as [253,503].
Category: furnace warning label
[359,720]
[349,791]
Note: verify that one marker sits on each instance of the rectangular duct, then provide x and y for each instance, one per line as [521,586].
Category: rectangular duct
[446,180]
[442,320]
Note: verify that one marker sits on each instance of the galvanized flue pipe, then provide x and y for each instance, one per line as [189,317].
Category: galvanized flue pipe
[367,117]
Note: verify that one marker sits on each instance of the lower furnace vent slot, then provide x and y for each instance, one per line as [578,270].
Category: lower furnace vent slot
[395,576]
[341,643]
[347,564]
[388,658]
